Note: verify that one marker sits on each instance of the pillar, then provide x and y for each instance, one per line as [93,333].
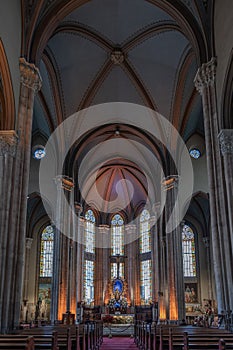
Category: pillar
[226,145]
[30,83]
[205,84]
[62,259]
[78,259]
[103,266]
[206,242]
[28,246]
[174,283]
[8,142]
[131,264]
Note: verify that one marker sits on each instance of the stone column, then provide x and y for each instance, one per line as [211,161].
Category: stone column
[104,266]
[82,250]
[226,146]
[8,142]
[206,242]
[131,254]
[30,83]
[205,84]
[175,279]
[154,255]
[26,277]
[78,263]
[62,249]
[26,268]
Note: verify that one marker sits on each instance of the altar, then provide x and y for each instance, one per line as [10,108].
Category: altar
[121,319]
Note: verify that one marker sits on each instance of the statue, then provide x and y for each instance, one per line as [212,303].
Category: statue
[117,294]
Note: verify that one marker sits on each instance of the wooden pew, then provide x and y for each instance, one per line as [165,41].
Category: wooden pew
[14,342]
[173,338]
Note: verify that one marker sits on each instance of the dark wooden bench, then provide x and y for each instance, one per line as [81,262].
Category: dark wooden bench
[174,338]
[13,342]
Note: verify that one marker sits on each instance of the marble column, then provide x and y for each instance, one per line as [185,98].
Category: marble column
[174,260]
[205,84]
[8,142]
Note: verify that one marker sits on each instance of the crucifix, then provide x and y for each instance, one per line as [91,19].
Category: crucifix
[118,259]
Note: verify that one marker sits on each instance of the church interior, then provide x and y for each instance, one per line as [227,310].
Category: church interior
[116,149]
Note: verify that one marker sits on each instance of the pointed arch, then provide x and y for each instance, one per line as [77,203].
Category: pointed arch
[6,93]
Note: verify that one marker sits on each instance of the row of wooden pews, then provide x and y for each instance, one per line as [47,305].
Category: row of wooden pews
[170,337]
[82,337]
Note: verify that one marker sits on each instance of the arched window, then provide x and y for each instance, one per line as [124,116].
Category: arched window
[189,252]
[145,236]
[88,281]
[117,235]
[114,270]
[145,257]
[90,232]
[46,252]
[146,282]
[89,260]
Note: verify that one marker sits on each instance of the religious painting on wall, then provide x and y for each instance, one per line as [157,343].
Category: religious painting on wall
[44,297]
[190,293]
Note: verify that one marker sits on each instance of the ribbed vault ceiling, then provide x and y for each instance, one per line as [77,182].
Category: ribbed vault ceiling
[118,50]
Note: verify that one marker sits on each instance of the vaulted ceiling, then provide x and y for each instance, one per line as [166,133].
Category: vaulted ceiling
[138,51]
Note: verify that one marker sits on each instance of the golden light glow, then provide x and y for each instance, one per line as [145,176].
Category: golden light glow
[173,308]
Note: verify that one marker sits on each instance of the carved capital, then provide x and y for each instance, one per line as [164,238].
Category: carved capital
[29,75]
[28,242]
[206,75]
[64,182]
[226,141]
[170,182]
[78,208]
[117,56]
[8,142]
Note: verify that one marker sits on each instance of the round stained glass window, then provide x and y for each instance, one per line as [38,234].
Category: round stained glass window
[38,152]
[195,153]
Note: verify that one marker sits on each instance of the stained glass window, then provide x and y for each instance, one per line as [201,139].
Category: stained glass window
[46,252]
[146,282]
[189,254]
[114,270]
[145,236]
[88,281]
[117,235]
[90,231]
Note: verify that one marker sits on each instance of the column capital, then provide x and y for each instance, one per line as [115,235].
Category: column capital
[64,182]
[170,182]
[205,75]
[226,141]
[78,208]
[8,142]
[29,75]
[28,242]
